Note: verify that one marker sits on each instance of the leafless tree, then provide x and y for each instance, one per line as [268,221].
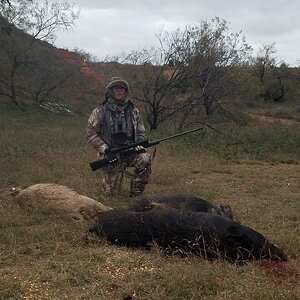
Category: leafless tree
[31,22]
[191,69]
[6,1]
[265,60]
[49,77]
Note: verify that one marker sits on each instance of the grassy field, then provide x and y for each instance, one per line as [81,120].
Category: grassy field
[255,168]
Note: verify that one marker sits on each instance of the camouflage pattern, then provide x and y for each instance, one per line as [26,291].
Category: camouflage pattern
[117,81]
[113,175]
[94,128]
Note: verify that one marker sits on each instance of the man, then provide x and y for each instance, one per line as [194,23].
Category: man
[113,124]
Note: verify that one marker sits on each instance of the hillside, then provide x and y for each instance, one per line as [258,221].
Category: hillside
[43,73]
[36,72]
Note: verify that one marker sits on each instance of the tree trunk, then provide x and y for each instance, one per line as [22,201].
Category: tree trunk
[12,86]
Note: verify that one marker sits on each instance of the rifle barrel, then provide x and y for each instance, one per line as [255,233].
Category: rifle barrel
[178,134]
[126,150]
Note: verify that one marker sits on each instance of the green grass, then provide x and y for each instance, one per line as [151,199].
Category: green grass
[51,257]
[290,112]
[277,143]
[33,141]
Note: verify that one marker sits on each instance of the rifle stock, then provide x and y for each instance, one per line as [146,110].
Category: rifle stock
[98,164]
[123,152]
[129,149]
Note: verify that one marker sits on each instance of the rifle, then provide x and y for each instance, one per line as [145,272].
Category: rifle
[130,148]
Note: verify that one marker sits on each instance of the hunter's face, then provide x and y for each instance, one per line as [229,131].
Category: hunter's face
[119,92]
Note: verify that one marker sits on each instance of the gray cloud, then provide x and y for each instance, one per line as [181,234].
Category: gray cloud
[110,27]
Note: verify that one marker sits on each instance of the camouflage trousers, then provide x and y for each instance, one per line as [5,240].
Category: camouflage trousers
[113,175]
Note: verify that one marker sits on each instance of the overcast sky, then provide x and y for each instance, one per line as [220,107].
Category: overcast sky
[110,27]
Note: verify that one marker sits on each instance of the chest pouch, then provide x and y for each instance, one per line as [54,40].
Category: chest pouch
[120,123]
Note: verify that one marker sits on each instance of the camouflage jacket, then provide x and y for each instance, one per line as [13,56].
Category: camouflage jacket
[94,130]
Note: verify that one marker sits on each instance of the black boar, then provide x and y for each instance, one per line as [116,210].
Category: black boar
[204,234]
[197,204]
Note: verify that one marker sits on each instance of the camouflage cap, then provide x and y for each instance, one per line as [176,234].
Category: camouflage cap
[118,81]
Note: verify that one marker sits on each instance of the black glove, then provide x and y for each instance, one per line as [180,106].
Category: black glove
[111,157]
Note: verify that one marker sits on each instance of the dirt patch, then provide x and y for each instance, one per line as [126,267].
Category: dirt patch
[270,119]
[280,272]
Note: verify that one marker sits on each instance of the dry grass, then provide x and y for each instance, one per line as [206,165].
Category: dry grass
[52,257]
